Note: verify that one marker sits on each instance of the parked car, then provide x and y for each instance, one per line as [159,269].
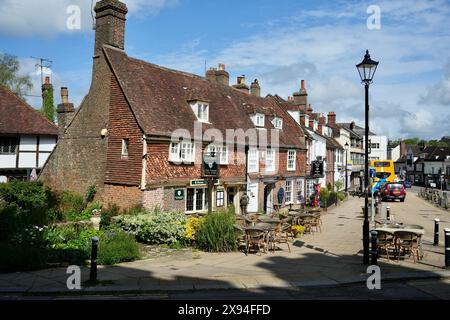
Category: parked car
[393,190]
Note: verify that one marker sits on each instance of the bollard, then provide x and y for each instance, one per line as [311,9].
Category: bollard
[93,272]
[447,248]
[374,235]
[388,213]
[436,232]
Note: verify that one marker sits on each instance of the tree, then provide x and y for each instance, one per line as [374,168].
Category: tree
[9,77]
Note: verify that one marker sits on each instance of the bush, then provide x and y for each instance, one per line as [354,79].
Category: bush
[192,226]
[156,227]
[23,257]
[115,247]
[26,195]
[71,204]
[341,196]
[90,194]
[105,218]
[217,234]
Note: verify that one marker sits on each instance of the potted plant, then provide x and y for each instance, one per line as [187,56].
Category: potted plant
[298,231]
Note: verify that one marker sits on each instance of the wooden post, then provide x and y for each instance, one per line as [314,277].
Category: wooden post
[210,191]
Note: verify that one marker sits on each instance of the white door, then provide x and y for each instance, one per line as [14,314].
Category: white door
[252,192]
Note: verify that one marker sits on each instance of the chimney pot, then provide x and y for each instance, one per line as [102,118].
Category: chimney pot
[255,89]
[302,84]
[64,95]
[221,67]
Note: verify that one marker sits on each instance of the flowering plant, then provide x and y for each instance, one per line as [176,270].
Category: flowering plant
[192,226]
[298,229]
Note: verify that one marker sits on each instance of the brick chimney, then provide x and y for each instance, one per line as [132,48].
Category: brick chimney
[65,111]
[240,85]
[219,75]
[109,24]
[255,89]
[301,97]
[309,110]
[48,107]
[331,119]
[352,125]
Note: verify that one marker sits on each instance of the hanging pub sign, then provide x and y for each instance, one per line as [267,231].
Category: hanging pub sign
[317,169]
[210,166]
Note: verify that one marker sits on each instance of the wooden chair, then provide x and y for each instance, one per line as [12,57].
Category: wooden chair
[240,235]
[408,242]
[281,235]
[386,242]
[255,237]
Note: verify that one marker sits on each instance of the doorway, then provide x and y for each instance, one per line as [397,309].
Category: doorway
[268,198]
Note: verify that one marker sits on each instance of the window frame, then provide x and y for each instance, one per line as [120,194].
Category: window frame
[301,183]
[8,143]
[223,153]
[273,157]
[259,116]
[177,157]
[288,192]
[125,148]
[293,167]
[279,121]
[222,199]
[195,200]
[255,160]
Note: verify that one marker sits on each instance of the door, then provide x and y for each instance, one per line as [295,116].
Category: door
[252,192]
[268,198]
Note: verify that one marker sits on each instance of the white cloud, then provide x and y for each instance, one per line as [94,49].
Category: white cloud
[49,17]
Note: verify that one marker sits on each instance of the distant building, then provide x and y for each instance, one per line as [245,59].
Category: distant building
[26,138]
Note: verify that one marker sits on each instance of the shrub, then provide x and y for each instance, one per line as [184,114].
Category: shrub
[338,185]
[341,196]
[192,226]
[105,218]
[71,204]
[26,195]
[115,247]
[156,227]
[23,257]
[329,186]
[90,194]
[217,234]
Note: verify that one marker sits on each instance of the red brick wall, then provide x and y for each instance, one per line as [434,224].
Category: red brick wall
[299,165]
[330,167]
[159,169]
[125,197]
[123,125]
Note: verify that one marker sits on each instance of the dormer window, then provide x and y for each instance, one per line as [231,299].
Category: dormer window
[201,110]
[258,120]
[277,123]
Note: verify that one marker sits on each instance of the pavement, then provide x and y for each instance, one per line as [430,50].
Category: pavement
[328,259]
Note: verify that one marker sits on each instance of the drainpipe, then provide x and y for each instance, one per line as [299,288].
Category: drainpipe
[144,162]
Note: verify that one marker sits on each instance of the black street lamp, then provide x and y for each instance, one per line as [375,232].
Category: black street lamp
[366,71]
[346,147]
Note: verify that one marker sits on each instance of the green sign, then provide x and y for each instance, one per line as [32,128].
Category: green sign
[203,182]
[179,194]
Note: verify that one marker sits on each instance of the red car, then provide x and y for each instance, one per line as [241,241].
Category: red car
[393,190]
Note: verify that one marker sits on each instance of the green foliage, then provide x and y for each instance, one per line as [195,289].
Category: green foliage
[48,108]
[25,194]
[71,204]
[324,195]
[341,196]
[91,191]
[329,186]
[9,75]
[105,218]
[156,227]
[217,234]
[115,247]
[338,185]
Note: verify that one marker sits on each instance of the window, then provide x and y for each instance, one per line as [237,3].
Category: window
[309,189]
[253,161]
[375,146]
[270,160]
[300,193]
[196,200]
[219,198]
[223,153]
[277,123]
[201,110]
[291,160]
[125,146]
[182,152]
[8,145]
[258,120]
[288,191]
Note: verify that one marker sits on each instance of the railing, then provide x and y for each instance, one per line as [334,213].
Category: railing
[435,197]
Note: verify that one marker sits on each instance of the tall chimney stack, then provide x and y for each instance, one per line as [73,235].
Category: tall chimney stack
[65,111]
[219,75]
[331,119]
[109,24]
[301,97]
[240,85]
[255,89]
[48,107]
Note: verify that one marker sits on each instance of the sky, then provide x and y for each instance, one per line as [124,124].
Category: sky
[278,42]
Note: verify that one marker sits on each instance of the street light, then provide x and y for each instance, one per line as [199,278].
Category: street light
[346,147]
[366,71]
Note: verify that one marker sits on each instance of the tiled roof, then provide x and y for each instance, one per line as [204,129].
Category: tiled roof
[159,99]
[18,117]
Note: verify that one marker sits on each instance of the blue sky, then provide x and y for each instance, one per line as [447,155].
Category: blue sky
[278,42]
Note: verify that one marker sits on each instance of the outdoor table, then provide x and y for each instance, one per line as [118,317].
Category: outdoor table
[418,232]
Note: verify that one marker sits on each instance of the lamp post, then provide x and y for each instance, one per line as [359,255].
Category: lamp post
[366,71]
[346,147]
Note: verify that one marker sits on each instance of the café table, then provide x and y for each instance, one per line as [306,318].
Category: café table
[418,230]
